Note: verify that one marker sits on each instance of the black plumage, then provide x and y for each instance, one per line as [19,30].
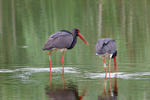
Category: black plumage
[62,39]
[106,46]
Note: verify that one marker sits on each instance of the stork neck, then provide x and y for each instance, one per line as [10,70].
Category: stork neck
[75,36]
[73,42]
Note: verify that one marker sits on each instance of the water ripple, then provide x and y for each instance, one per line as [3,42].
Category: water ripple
[123,75]
[6,71]
[25,73]
[72,70]
[35,70]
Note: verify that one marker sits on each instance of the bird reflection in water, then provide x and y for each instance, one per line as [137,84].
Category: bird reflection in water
[70,92]
[111,94]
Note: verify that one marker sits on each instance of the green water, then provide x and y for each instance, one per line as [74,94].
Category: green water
[25,25]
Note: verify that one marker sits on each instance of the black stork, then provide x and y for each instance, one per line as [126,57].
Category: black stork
[111,94]
[106,47]
[62,40]
[70,92]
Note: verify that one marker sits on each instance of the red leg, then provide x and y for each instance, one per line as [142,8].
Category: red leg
[115,64]
[63,67]
[115,85]
[105,84]
[109,67]
[83,94]
[50,67]
[105,68]
[110,90]
[115,81]
[110,75]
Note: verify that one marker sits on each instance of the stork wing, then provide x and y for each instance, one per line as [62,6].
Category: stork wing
[106,45]
[64,41]
[59,40]
[60,33]
[109,46]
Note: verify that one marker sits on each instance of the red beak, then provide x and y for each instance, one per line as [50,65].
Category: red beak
[81,37]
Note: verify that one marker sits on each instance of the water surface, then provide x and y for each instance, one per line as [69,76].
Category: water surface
[24,67]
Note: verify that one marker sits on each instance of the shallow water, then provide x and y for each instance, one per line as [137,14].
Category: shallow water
[24,67]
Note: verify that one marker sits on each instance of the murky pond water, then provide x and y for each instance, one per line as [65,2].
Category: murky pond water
[24,67]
